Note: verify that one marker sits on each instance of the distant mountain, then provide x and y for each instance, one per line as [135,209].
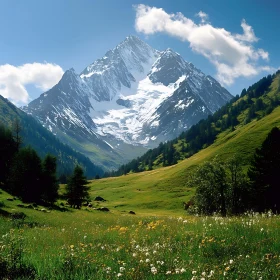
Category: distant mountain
[128,101]
[44,142]
[255,103]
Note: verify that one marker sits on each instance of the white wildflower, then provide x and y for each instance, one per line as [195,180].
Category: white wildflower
[153,270]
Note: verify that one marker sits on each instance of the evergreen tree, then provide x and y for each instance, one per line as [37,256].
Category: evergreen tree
[16,131]
[77,189]
[49,180]
[264,174]
[7,151]
[25,175]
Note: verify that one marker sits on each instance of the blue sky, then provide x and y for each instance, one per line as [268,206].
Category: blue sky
[71,33]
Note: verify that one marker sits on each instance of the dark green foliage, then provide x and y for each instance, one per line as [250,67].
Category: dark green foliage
[8,148]
[49,182]
[238,191]
[25,175]
[264,174]
[32,133]
[204,133]
[220,187]
[63,179]
[22,173]
[77,189]
[210,183]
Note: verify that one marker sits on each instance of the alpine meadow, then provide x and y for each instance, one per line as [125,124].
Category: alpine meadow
[157,157]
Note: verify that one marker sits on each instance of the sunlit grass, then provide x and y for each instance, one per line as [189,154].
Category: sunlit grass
[85,244]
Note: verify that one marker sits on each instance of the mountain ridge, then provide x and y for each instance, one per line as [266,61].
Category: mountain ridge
[258,101]
[122,100]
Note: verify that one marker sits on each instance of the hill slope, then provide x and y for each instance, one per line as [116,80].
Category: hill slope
[255,103]
[44,142]
[164,189]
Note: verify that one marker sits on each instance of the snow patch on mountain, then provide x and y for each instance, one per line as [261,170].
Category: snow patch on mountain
[126,124]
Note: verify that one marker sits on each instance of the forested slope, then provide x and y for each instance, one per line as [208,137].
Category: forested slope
[257,101]
[43,141]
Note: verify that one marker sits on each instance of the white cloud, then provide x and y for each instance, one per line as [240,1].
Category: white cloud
[249,35]
[13,79]
[233,55]
[203,16]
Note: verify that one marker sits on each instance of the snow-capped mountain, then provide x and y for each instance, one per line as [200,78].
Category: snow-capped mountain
[130,100]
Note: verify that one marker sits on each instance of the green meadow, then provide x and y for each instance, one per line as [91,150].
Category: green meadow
[88,244]
[161,241]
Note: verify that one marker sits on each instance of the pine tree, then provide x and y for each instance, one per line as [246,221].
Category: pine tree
[77,189]
[264,174]
[49,180]
[25,175]
[7,151]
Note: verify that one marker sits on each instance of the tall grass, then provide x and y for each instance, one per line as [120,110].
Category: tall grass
[86,245]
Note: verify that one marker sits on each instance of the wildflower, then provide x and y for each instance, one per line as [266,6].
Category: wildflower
[193,272]
[231,261]
[168,272]
[147,260]
[119,275]
[177,270]
[203,273]
[183,270]
[141,261]
[134,255]
[153,270]
[122,269]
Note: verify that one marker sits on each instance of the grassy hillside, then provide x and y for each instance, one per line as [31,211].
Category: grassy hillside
[165,188]
[258,101]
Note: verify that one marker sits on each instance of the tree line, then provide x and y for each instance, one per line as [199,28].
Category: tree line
[226,188]
[44,142]
[24,175]
[251,103]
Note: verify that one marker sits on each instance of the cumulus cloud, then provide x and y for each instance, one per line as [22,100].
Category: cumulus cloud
[233,55]
[13,79]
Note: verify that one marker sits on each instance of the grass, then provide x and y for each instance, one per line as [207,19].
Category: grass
[163,191]
[160,242]
[87,244]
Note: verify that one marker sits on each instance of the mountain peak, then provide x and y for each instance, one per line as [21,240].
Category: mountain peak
[70,72]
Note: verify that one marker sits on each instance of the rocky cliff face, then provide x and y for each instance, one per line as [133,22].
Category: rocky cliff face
[131,99]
